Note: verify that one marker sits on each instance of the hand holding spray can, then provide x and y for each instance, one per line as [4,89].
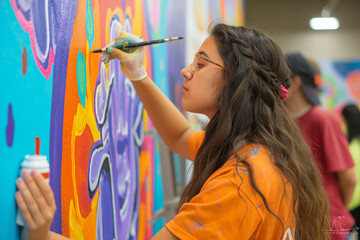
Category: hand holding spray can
[34,162]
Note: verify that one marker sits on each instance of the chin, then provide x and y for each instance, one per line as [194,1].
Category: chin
[184,105]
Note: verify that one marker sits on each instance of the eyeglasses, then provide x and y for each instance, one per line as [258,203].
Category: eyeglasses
[195,65]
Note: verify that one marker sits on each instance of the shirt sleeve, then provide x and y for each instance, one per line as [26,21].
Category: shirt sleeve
[336,147]
[219,211]
[195,142]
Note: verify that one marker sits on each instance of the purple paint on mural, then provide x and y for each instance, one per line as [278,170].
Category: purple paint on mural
[106,231]
[176,11]
[114,163]
[10,127]
[65,13]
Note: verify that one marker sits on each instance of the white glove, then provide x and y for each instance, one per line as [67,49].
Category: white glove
[131,59]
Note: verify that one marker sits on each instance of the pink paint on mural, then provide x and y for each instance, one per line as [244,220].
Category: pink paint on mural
[154,8]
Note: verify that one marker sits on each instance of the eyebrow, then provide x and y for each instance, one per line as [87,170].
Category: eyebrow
[203,53]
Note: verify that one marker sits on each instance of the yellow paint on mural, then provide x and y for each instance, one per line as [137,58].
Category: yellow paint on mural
[78,225]
[199,15]
[83,117]
[240,17]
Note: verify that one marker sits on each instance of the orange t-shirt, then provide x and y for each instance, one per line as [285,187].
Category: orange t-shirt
[227,206]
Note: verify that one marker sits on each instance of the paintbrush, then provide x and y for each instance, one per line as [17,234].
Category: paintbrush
[134,45]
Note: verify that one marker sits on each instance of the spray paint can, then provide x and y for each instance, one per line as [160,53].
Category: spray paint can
[34,162]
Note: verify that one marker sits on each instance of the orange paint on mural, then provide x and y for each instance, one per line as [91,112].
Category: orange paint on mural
[68,190]
[93,59]
[240,18]
[146,189]
[24,61]
[222,9]
[353,82]
[83,145]
[80,129]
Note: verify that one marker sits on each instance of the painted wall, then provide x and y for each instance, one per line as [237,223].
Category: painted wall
[340,85]
[105,169]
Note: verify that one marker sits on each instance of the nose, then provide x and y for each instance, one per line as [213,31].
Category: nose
[187,73]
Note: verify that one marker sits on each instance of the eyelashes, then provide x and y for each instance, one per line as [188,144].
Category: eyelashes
[199,65]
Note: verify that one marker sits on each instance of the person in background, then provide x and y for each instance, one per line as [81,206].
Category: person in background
[351,114]
[254,175]
[326,140]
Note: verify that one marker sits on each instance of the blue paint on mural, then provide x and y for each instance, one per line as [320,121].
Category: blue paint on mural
[345,67]
[30,98]
[81,78]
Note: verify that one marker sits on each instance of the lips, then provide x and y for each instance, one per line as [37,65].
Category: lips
[184,89]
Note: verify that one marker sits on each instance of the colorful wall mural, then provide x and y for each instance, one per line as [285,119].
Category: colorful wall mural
[105,170]
[340,85]
[201,14]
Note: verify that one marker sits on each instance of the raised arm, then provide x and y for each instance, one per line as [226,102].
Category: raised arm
[168,120]
[170,123]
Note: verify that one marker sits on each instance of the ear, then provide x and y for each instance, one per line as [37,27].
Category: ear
[296,82]
[295,87]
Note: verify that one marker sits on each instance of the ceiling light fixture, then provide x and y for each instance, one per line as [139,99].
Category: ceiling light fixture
[325,22]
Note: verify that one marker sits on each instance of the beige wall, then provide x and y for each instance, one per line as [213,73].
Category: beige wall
[288,23]
[339,44]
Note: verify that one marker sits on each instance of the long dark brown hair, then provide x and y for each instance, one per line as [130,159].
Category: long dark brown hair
[351,114]
[251,111]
